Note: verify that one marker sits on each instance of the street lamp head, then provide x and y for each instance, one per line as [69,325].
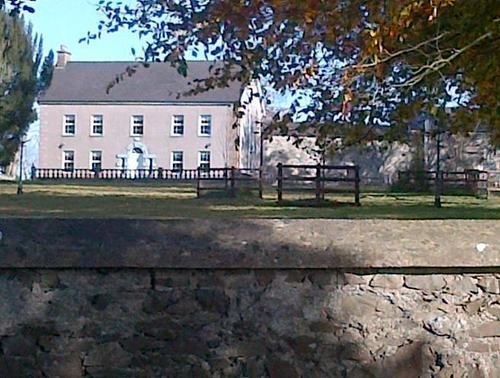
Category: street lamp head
[10,136]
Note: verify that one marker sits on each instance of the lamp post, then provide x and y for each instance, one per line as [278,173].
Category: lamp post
[261,163]
[438,182]
[429,129]
[21,170]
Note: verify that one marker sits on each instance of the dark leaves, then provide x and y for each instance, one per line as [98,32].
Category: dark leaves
[346,64]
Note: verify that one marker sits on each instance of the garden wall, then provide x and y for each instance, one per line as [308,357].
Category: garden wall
[380,162]
[252,298]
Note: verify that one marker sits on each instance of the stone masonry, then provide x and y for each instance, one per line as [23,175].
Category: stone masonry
[232,323]
[356,317]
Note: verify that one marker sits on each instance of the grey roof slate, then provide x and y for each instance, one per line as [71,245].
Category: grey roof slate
[160,82]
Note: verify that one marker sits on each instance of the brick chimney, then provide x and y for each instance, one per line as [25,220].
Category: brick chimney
[63,57]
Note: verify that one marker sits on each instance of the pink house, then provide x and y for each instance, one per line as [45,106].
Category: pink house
[146,121]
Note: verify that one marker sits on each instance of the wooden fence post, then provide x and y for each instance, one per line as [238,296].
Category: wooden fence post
[318,182]
[356,186]
[232,178]
[323,182]
[280,182]
[225,178]
[261,191]
[198,183]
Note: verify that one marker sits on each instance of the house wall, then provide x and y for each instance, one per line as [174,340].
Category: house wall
[253,110]
[157,134]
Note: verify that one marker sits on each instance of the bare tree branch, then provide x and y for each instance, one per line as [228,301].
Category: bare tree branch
[437,65]
[397,53]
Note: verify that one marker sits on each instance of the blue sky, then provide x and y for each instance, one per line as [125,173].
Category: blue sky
[66,21]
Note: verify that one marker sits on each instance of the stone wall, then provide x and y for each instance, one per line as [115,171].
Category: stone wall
[309,323]
[433,312]
[380,162]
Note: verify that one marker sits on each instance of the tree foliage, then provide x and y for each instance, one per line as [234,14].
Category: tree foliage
[16,6]
[20,59]
[46,72]
[350,65]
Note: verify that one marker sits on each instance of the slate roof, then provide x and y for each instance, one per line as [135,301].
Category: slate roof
[160,82]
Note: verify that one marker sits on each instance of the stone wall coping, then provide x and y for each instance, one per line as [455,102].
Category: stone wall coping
[248,243]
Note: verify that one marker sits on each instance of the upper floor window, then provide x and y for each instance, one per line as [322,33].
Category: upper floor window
[69,127]
[177,160]
[178,125]
[205,125]
[68,160]
[96,160]
[97,125]
[204,160]
[137,128]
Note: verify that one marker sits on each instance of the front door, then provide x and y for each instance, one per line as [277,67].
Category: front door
[135,159]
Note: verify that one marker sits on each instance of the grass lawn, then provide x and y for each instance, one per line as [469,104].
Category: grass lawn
[156,201]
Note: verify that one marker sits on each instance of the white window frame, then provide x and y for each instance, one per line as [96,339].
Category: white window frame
[200,161]
[200,125]
[92,161]
[172,129]
[132,125]
[64,160]
[172,161]
[92,124]
[65,123]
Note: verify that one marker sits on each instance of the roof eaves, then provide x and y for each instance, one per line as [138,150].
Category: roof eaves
[132,102]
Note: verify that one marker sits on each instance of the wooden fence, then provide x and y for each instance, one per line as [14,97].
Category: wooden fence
[493,182]
[317,178]
[473,180]
[229,180]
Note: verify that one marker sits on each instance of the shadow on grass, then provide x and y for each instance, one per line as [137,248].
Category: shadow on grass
[309,202]
[242,322]
[144,208]
[144,202]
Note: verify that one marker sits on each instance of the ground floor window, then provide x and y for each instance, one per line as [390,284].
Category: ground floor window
[96,160]
[177,160]
[204,160]
[69,160]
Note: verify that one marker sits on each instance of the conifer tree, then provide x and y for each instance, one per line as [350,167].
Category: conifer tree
[46,72]
[20,58]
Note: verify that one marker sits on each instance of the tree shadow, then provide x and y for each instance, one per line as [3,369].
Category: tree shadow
[103,298]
